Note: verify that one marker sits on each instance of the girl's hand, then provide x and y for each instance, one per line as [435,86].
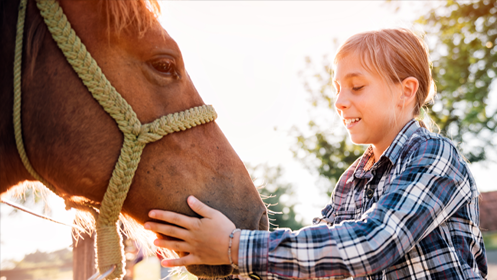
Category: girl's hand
[205,240]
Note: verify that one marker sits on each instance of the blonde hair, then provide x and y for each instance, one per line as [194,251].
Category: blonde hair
[395,54]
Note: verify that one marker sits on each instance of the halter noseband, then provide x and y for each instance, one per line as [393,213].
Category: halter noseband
[136,135]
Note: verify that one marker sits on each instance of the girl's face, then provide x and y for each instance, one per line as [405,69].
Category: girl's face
[367,104]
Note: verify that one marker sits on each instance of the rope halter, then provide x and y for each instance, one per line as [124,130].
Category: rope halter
[110,250]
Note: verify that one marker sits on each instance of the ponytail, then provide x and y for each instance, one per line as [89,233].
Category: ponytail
[427,122]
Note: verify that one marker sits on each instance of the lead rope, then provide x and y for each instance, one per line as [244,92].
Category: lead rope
[136,136]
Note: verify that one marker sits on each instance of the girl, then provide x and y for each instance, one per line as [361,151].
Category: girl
[406,209]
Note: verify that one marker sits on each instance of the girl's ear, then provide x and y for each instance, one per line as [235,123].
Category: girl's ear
[409,88]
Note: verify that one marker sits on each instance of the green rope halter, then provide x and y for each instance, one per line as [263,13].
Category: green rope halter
[136,136]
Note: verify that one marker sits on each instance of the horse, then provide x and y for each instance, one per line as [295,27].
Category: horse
[74,145]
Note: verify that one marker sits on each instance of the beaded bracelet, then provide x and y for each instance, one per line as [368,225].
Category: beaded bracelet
[229,248]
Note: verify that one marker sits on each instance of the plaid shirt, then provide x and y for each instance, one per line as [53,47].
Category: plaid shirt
[413,215]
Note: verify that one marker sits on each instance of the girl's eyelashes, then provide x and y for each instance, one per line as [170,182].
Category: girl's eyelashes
[338,89]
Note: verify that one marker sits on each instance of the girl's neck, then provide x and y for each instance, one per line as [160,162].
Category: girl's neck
[380,148]
[377,153]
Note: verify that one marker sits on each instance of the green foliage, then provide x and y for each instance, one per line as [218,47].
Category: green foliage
[490,239]
[278,195]
[464,54]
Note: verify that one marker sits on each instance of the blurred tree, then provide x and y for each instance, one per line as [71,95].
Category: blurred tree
[41,265]
[58,257]
[463,42]
[279,196]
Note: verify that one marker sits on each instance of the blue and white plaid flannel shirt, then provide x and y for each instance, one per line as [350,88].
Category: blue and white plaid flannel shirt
[413,215]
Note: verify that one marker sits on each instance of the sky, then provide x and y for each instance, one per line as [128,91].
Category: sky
[244,59]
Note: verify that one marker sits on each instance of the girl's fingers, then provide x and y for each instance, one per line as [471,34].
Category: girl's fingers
[178,246]
[172,218]
[200,208]
[187,260]
[168,230]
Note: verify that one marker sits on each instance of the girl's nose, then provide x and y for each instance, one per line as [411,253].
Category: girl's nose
[341,101]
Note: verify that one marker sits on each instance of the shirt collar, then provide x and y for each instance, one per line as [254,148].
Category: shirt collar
[394,150]
[392,153]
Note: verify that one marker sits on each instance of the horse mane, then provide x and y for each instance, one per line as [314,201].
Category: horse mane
[130,228]
[85,221]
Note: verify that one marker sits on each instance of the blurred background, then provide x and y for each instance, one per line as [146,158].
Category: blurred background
[266,68]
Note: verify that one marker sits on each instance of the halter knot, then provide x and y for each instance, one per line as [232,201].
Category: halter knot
[109,248]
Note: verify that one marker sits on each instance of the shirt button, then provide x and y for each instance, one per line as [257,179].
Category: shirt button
[254,276]
[369,193]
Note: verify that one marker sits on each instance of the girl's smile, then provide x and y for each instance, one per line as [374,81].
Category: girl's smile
[351,122]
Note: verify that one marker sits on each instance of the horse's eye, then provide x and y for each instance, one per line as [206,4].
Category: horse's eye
[165,67]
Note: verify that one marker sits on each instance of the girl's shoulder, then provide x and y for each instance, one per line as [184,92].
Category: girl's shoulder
[425,141]
[423,134]
[435,153]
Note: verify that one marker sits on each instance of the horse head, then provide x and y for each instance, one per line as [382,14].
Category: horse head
[74,144]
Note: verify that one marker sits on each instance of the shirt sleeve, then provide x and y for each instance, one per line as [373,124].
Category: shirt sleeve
[432,185]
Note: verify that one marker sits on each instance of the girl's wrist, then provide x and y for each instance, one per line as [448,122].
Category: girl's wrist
[235,246]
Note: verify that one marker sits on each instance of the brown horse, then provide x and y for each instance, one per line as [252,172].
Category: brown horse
[74,144]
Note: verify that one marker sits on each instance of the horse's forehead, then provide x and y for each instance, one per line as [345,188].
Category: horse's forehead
[92,23]
[155,38]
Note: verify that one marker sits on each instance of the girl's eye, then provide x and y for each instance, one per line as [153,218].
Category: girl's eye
[165,67]
[357,88]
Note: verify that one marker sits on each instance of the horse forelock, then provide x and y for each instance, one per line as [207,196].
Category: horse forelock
[137,16]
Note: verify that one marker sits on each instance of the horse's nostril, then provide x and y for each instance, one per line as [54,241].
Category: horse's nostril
[264,222]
